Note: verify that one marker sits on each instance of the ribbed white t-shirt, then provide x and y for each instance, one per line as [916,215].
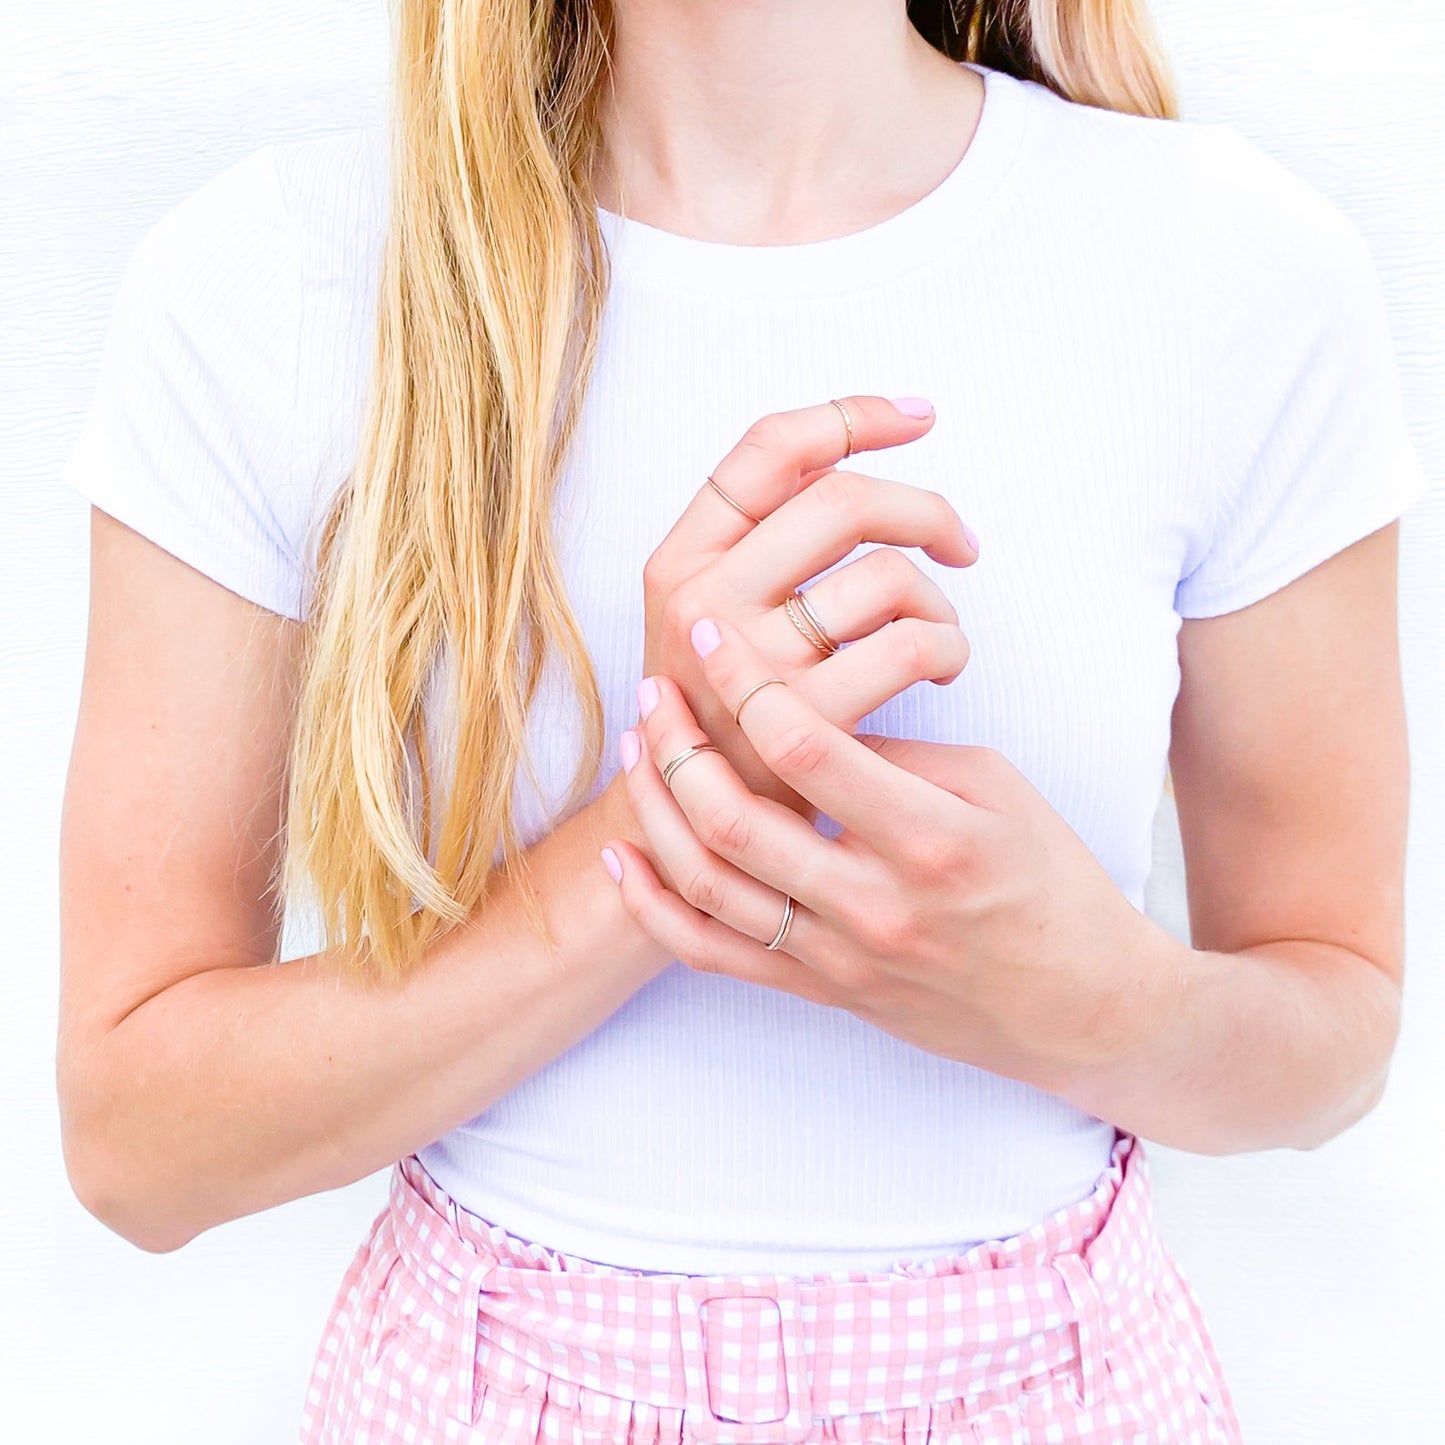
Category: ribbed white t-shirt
[1164,388]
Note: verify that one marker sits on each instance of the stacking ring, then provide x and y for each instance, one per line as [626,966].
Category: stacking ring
[754,688]
[681,758]
[805,619]
[847,422]
[784,926]
[734,505]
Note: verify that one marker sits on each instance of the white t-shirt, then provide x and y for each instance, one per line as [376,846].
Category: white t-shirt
[1164,389]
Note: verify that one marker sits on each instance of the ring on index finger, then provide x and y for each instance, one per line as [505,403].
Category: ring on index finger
[736,506]
[675,763]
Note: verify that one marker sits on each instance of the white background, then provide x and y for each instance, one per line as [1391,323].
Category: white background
[1323,1274]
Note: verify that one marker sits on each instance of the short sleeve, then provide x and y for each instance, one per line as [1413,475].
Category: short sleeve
[188,435]
[1309,449]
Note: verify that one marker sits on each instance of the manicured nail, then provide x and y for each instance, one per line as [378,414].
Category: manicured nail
[914,406]
[631,749]
[647,697]
[705,636]
[610,863]
[969,537]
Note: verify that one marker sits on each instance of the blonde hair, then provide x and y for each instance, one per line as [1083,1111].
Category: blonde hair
[492,286]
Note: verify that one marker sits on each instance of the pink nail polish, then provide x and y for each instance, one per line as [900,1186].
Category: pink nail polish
[630,748]
[647,697]
[917,407]
[969,537]
[705,637]
[610,863]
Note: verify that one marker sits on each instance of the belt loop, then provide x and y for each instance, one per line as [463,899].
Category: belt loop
[1089,1319]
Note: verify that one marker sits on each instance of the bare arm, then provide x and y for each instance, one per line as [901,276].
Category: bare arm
[198,1081]
[1291,773]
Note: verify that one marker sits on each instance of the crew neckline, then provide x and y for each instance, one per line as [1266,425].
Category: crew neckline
[646,256]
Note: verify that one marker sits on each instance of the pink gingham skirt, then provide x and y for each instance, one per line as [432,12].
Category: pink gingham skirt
[1079,1331]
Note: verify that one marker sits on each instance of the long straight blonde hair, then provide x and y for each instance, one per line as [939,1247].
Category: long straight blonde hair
[492,287]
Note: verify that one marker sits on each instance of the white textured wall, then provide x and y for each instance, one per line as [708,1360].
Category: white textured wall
[1323,1274]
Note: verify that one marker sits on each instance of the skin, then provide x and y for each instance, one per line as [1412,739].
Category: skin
[958,911]
[200,1080]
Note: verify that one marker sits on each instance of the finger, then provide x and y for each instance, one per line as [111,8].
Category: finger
[779,455]
[833,516]
[881,585]
[705,945]
[711,884]
[849,685]
[766,840]
[871,797]
[852,602]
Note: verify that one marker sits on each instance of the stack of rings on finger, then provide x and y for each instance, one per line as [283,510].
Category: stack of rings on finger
[681,758]
[805,619]
[784,926]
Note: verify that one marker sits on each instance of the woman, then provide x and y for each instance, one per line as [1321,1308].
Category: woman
[484,544]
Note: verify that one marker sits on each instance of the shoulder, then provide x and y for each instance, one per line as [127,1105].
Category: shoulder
[1188,193]
[254,236]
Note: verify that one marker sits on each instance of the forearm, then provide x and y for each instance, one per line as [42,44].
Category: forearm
[242,1088]
[1283,1045]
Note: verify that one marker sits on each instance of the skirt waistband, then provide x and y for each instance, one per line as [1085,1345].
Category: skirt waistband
[1043,1302]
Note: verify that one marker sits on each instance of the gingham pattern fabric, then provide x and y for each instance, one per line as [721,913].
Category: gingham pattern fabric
[1080,1331]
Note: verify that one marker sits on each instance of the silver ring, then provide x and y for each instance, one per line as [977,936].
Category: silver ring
[734,505]
[784,926]
[847,422]
[681,758]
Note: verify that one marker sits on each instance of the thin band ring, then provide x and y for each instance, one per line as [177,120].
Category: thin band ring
[734,505]
[824,639]
[784,926]
[847,422]
[804,627]
[754,688]
[681,758]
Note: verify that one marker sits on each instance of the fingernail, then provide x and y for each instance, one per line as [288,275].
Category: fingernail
[610,863]
[705,636]
[969,537]
[914,406]
[647,697]
[631,749]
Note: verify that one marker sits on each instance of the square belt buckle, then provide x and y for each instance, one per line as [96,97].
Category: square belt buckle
[709,1428]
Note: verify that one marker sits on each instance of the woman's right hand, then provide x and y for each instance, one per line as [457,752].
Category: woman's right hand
[715,562]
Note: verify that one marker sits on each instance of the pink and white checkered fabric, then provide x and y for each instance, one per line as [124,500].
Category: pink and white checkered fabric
[1079,1331]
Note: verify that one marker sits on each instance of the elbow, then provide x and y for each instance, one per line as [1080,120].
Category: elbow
[104,1186]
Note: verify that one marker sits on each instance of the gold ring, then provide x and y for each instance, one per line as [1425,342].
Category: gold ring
[730,501]
[738,709]
[805,619]
[847,422]
[681,758]
[784,926]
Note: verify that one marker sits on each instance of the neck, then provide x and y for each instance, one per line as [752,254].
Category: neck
[774,122]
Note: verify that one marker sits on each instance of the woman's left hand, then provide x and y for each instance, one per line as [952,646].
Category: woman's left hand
[956,910]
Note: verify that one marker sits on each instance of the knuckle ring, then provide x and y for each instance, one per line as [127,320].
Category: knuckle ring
[847,422]
[674,764]
[754,688]
[737,507]
[802,615]
[784,926]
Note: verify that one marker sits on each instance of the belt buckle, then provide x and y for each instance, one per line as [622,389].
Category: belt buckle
[702,1423]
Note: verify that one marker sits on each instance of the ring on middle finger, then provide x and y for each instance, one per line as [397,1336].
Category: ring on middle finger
[802,615]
